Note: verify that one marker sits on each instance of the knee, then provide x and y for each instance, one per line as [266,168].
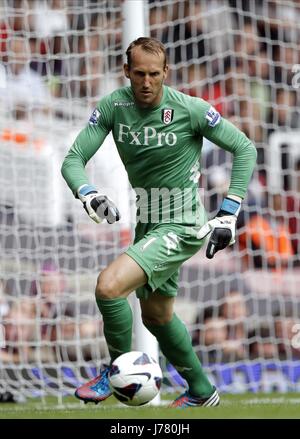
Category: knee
[107,286]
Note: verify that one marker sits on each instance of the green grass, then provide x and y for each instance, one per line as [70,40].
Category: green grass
[245,406]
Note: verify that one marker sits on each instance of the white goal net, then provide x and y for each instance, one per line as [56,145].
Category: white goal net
[57,59]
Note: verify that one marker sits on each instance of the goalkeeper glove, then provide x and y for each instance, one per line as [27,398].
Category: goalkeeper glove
[222,227]
[97,205]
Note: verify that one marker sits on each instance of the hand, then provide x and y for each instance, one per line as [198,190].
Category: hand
[97,205]
[222,227]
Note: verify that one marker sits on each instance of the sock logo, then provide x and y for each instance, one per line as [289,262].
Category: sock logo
[182,368]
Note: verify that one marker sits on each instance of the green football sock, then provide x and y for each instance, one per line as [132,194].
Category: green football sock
[117,321]
[175,343]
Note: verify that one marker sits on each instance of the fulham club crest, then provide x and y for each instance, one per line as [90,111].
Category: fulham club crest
[167,115]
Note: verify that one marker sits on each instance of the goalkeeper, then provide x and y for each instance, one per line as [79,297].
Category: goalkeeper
[158,132]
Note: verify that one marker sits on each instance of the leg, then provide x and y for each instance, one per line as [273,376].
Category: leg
[161,254]
[175,343]
[157,310]
[114,284]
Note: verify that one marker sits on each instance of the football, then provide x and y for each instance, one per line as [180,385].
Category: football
[135,378]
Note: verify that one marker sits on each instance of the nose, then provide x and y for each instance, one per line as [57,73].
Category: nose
[146,81]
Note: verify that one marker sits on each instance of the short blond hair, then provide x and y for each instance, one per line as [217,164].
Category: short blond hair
[148,44]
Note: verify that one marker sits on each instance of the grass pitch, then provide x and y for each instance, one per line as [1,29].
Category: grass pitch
[241,406]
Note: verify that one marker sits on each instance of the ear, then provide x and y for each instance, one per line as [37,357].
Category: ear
[126,70]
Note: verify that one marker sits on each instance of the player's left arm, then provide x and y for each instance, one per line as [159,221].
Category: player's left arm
[224,134]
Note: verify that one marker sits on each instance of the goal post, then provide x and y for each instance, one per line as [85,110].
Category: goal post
[135,26]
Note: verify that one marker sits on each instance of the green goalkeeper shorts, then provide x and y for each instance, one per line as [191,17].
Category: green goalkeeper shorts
[160,250]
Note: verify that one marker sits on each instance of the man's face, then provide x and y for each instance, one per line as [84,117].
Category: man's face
[147,74]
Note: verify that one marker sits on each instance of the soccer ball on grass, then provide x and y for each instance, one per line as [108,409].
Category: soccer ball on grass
[135,378]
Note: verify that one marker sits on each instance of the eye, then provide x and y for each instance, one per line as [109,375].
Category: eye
[139,73]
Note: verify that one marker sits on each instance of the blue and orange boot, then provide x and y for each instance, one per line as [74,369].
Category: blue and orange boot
[97,389]
[187,400]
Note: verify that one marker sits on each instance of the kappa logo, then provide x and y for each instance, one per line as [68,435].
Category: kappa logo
[213,117]
[95,116]
[160,267]
[123,104]
[167,115]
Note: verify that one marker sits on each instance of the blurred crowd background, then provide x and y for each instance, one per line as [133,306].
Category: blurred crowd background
[57,59]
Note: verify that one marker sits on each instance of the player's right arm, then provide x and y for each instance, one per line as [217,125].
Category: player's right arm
[97,205]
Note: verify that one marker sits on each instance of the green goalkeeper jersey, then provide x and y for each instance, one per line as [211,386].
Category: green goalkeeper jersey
[161,146]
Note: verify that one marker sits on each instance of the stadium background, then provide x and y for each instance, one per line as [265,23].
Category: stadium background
[57,58]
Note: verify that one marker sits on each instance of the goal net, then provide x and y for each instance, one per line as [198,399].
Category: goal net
[57,59]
